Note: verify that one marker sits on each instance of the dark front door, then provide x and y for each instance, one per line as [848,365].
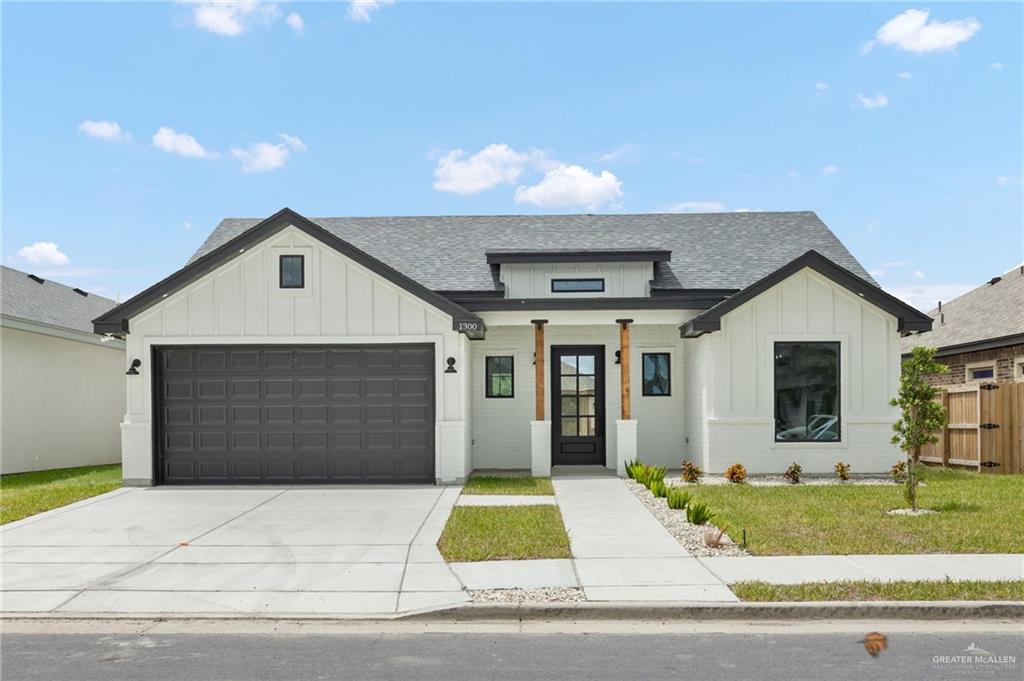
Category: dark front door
[577,405]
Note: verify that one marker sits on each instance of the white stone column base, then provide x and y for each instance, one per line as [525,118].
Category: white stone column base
[540,449]
[625,444]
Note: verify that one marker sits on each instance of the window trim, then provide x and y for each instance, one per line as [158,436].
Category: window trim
[839,392]
[1018,369]
[557,280]
[668,377]
[987,364]
[487,377]
[280,271]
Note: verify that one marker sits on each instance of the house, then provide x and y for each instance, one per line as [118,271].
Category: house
[62,389]
[980,335]
[415,349]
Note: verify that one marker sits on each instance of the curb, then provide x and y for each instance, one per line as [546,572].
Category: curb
[837,610]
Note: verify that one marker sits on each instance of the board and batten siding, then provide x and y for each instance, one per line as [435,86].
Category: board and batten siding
[621,279]
[342,303]
[804,307]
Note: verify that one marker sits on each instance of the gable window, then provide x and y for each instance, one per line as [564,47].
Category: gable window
[293,271]
[657,376]
[577,285]
[981,372]
[499,376]
[807,392]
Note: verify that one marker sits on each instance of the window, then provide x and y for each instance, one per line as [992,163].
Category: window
[807,392]
[657,374]
[293,271]
[577,285]
[981,372]
[1018,369]
[500,377]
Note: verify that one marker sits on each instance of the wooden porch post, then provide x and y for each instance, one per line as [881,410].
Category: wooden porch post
[627,408]
[538,364]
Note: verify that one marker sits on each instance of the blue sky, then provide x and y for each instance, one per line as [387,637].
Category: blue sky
[129,131]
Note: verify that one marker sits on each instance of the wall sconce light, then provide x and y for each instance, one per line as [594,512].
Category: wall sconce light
[618,356]
[133,370]
[451,366]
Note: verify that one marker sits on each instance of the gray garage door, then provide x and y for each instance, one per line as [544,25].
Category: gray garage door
[294,414]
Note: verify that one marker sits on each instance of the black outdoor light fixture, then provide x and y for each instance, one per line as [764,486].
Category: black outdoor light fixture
[451,366]
[618,356]
[133,370]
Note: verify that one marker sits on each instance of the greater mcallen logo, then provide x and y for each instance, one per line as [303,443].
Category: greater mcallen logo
[974,659]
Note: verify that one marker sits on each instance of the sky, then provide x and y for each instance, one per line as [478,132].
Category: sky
[131,130]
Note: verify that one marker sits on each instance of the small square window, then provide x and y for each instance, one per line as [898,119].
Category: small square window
[657,374]
[499,377]
[293,274]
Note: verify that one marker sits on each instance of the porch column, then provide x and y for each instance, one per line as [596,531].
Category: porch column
[625,427]
[540,430]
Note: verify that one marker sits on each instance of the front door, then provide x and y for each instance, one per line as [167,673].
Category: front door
[577,405]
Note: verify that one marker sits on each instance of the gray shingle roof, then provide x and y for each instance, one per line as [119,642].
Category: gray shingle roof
[49,303]
[987,312]
[712,250]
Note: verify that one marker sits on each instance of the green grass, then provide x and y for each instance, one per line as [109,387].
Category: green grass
[978,514]
[504,533]
[881,591]
[496,484]
[25,494]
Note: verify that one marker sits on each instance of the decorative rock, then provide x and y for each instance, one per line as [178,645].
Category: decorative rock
[689,536]
[910,511]
[544,595]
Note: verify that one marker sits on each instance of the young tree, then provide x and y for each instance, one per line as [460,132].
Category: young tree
[922,415]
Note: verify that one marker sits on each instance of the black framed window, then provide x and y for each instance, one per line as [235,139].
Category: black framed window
[577,285]
[293,271]
[657,374]
[807,392]
[499,375]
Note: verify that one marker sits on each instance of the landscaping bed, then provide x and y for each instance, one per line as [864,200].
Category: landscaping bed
[690,536]
[541,595]
[25,494]
[476,533]
[503,484]
[948,590]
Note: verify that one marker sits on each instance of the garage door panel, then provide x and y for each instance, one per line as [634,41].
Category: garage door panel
[245,415]
[213,415]
[244,388]
[279,388]
[213,360]
[311,388]
[211,389]
[178,390]
[244,360]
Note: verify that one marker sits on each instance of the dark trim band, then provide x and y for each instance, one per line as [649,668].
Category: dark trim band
[597,255]
[975,346]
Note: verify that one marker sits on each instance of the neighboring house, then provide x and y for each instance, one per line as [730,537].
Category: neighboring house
[416,349]
[62,387]
[980,335]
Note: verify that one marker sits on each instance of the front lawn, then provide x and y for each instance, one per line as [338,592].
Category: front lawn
[504,533]
[25,494]
[948,590]
[978,514]
[498,484]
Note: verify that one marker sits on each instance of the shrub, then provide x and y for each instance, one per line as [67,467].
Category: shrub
[792,474]
[736,473]
[898,472]
[678,498]
[843,470]
[691,471]
[698,513]
[651,474]
[659,488]
[633,467]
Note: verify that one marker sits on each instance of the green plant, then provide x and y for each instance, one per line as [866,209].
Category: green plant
[691,471]
[650,474]
[658,488]
[698,513]
[921,416]
[633,468]
[843,470]
[736,473]
[678,498]
[898,472]
[792,474]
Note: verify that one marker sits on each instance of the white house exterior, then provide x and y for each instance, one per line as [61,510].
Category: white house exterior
[292,350]
[62,388]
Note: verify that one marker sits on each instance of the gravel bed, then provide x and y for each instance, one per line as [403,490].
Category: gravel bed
[779,481]
[910,511]
[691,537]
[542,595]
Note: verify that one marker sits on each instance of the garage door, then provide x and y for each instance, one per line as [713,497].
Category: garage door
[294,414]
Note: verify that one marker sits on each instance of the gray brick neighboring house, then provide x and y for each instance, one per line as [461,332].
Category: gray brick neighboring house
[980,335]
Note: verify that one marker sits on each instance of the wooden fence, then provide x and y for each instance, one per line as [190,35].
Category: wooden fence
[985,431]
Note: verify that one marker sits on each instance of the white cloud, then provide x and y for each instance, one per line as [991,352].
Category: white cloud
[925,297]
[294,142]
[878,272]
[918,274]
[493,165]
[912,32]
[1006,180]
[623,152]
[905,75]
[820,88]
[43,253]
[830,170]
[180,143]
[871,224]
[871,103]
[361,10]
[296,23]
[572,185]
[996,66]
[187,226]
[261,157]
[104,130]
[696,207]
[794,173]
[233,17]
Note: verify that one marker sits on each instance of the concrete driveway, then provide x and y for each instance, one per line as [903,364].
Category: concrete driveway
[336,551]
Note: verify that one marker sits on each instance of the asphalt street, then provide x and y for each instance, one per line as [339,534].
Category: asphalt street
[460,656]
